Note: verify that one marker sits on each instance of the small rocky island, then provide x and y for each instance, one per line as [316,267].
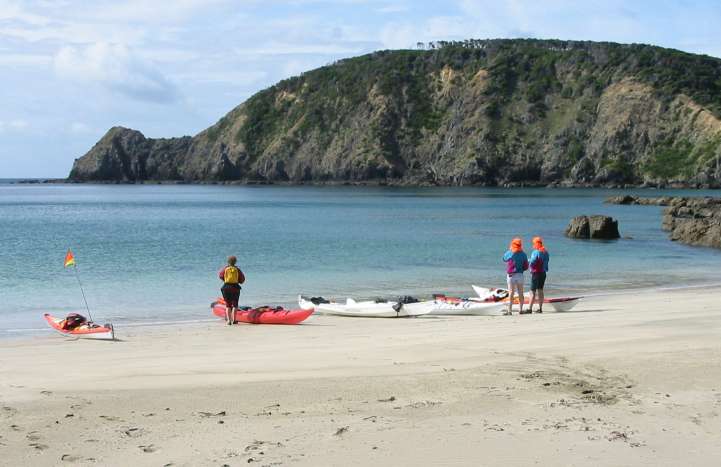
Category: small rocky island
[689,220]
[593,228]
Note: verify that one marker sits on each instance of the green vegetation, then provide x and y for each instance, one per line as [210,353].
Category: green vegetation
[518,70]
[670,160]
[575,150]
[524,108]
[622,167]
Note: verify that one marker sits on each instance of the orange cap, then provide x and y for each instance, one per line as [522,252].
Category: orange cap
[538,243]
[516,245]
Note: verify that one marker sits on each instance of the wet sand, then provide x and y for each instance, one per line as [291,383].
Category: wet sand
[620,380]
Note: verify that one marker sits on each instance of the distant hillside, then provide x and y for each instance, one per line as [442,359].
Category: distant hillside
[486,112]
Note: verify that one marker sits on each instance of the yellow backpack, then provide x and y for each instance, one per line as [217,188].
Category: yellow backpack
[231,275]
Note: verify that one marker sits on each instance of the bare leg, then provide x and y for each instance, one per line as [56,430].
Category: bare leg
[232,315]
[521,298]
[511,290]
[540,300]
[533,299]
[228,310]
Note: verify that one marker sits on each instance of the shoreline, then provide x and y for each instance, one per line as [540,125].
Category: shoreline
[390,183]
[618,381]
[131,322]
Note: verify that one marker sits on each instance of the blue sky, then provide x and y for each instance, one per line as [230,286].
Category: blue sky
[69,70]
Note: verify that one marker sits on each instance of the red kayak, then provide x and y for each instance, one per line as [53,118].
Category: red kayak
[263,314]
[87,330]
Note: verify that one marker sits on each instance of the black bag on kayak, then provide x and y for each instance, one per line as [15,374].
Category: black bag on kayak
[406,299]
[74,320]
[318,300]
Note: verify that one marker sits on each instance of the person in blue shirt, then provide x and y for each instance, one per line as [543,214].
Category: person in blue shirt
[539,268]
[516,263]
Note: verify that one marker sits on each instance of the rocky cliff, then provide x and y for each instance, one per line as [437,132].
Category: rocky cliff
[489,112]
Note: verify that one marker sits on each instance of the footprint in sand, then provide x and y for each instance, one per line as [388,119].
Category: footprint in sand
[38,446]
[149,448]
[254,446]
[422,404]
[110,418]
[70,458]
[133,432]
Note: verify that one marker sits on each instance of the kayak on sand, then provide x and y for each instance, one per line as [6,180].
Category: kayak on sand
[487,295]
[262,315]
[87,330]
[408,307]
[443,305]
[365,309]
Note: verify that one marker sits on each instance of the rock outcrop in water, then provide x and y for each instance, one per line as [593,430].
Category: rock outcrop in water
[491,112]
[689,220]
[694,221]
[593,228]
[632,199]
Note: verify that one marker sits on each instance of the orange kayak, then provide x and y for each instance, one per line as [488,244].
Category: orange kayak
[85,331]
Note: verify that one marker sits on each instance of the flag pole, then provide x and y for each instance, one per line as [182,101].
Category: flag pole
[77,276]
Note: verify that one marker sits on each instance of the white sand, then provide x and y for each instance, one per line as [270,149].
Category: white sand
[621,380]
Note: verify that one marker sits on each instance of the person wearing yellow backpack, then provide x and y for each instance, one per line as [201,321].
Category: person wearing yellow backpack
[232,277]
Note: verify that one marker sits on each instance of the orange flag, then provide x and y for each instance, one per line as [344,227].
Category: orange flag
[69,259]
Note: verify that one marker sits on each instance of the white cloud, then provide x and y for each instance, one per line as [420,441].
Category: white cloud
[400,35]
[295,67]
[118,69]
[232,77]
[277,48]
[393,8]
[406,34]
[79,128]
[16,125]
[14,11]
[144,11]
[19,59]
[563,19]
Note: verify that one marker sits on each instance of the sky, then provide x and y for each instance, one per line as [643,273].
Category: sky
[70,70]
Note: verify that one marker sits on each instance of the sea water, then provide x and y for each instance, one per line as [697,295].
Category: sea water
[152,252]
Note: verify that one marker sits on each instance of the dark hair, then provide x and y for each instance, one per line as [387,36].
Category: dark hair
[232,260]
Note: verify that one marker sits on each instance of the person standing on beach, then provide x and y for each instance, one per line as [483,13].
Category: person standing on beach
[539,268]
[232,277]
[516,263]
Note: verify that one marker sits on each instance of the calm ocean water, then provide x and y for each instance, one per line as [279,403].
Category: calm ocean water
[149,253]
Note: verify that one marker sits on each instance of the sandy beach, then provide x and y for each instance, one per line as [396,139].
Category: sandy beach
[630,379]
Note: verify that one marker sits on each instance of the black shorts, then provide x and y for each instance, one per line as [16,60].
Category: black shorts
[231,294]
[538,280]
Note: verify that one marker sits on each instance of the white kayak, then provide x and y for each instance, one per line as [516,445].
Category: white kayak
[443,305]
[487,295]
[365,309]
